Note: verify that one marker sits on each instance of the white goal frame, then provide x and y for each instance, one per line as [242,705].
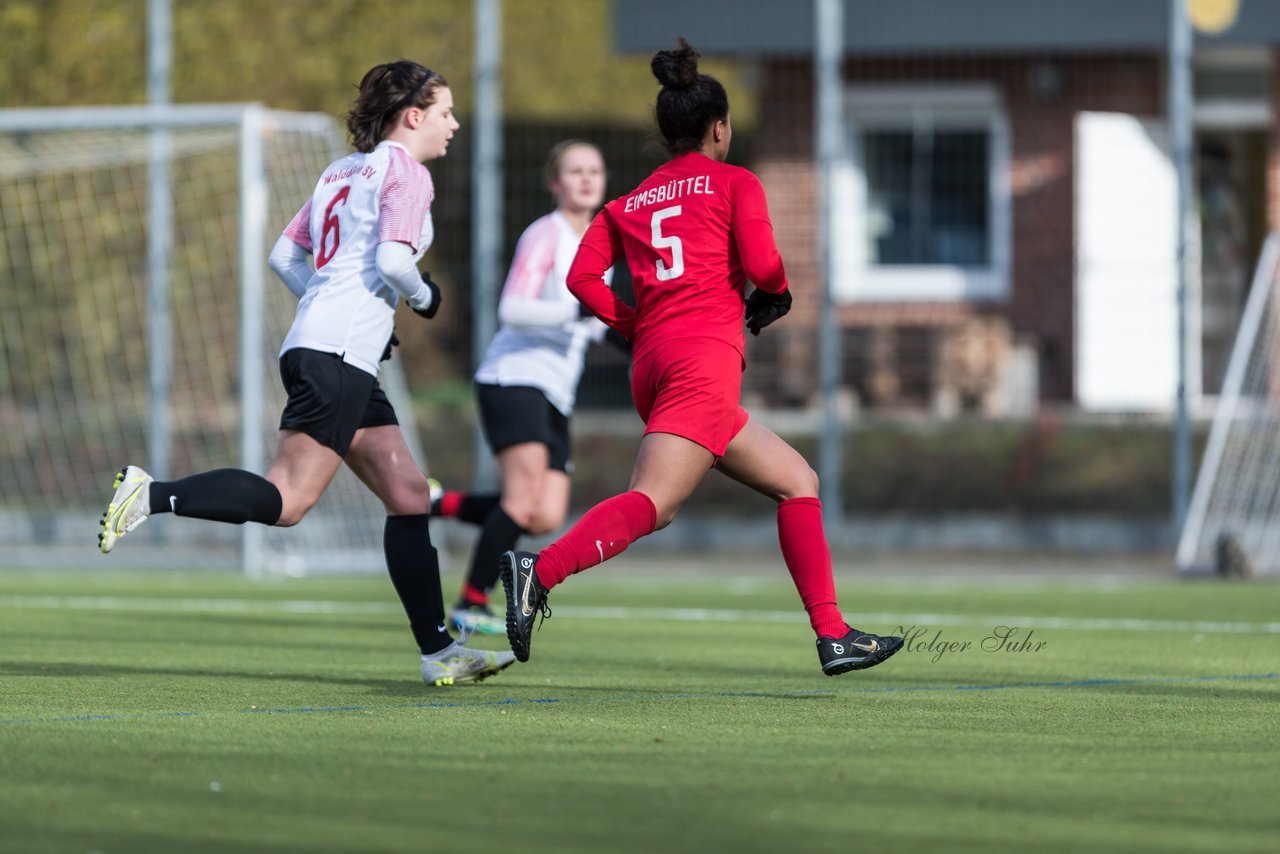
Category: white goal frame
[251,121]
[1194,552]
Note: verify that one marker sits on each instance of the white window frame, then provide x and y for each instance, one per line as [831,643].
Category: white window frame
[970,106]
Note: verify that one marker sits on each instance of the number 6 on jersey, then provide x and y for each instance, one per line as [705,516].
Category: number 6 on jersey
[661,241]
[327,249]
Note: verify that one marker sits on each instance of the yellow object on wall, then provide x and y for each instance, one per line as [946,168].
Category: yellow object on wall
[1213,16]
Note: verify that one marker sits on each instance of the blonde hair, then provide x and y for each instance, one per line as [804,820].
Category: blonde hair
[555,159]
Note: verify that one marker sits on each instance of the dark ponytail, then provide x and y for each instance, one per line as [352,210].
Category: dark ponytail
[689,102]
[386,91]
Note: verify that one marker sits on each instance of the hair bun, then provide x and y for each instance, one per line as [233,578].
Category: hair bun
[676,69]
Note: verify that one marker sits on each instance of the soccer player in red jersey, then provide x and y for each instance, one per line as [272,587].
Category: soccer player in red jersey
[692,234]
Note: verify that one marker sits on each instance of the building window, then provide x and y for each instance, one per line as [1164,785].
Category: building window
[923,201]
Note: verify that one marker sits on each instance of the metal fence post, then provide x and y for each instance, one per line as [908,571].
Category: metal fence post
[159,242]
[253,224]
[486,216]
[1180,102]
[828,52]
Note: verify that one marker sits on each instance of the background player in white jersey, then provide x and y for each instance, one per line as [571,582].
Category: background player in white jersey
[367,224]
[527,382]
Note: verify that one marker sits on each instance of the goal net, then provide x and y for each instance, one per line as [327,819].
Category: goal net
[1233,523]
[105,362]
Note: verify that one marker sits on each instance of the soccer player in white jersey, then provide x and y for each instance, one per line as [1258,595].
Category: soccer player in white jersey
[527,382]
[367,224]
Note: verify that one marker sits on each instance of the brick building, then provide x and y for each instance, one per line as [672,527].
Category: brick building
[1006,199]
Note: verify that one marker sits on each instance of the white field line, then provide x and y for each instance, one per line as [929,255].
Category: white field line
[1004,585]
[876,621]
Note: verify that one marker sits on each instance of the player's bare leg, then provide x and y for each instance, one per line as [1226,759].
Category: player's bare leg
[757,457]
[301,469]
[668,469]
[523,468]
[381,458]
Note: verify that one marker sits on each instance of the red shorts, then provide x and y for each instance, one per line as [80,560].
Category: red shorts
[691,388]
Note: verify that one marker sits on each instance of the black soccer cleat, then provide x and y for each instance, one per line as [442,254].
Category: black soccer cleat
[855,651]
[526,598]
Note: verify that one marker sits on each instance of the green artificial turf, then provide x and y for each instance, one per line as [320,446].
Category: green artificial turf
[201,712]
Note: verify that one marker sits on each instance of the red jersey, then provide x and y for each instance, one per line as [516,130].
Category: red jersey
[692,233]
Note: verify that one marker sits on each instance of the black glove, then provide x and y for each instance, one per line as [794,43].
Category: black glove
[764,308]
[617,339]
[393,341]
[430,311]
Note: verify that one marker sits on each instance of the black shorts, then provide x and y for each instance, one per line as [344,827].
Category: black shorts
[330,400]
[515,414]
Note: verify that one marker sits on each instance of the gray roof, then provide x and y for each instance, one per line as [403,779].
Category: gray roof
[875,27]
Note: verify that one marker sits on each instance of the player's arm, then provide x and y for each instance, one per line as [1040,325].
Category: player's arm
[292,264]
[600,246]
[521,303]
[290,257]
[753,233]
[524,311]
[404,203]
[398,266]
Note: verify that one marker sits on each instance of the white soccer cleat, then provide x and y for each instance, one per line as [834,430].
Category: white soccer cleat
[456,663]
[129,507]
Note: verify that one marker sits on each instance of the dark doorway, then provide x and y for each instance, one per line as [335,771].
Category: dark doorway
[1232,183]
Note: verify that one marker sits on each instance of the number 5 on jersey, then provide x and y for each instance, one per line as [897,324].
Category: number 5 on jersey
[662,241]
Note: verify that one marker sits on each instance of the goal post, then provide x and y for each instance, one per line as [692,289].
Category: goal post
[78,391]
[1233,523]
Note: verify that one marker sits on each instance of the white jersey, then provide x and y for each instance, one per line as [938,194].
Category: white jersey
[541,342]
[361,200]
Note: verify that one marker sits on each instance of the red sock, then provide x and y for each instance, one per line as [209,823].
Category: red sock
[474,595]
[450,502]
[603,532]
[804,549]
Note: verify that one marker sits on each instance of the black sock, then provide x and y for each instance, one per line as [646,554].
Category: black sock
[499,534]
[476,507]
[221,495]
[415,574]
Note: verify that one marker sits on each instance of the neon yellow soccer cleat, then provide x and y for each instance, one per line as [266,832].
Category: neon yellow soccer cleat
[129,507]
[456,663]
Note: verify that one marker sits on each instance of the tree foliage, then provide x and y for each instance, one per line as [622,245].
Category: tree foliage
[560,77]
[558,56]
